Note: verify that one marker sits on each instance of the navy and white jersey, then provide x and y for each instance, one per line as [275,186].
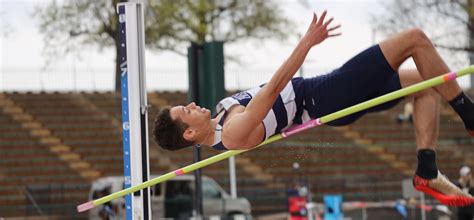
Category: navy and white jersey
[366,76]
[287,110]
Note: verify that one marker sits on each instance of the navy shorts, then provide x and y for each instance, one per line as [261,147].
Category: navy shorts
[365,76]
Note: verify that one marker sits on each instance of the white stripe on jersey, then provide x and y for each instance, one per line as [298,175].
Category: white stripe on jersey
[288,97]
[270,124]
[270,121]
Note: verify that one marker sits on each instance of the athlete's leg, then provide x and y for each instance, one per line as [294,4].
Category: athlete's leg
[426,122]
[415,44]
[425,112]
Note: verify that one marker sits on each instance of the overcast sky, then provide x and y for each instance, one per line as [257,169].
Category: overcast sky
[22,62]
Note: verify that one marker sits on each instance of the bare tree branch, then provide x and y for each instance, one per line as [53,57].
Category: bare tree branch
[454,48]
[169,25]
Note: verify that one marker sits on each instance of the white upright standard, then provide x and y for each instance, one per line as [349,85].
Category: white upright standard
[134,108]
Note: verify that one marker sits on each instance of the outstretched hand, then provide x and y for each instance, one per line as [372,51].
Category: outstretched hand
[319,31]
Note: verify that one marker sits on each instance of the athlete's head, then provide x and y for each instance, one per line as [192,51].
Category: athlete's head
[181,126]
[465,171]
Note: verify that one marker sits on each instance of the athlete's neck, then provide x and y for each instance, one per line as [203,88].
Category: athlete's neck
[208,139]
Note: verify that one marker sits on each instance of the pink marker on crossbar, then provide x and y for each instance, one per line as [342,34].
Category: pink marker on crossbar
[179,172]
[450,76]
[86,206]
[296,129]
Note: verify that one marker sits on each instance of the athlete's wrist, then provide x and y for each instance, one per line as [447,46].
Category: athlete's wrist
[306,42]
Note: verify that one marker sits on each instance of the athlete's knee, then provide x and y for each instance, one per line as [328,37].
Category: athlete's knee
[418,37]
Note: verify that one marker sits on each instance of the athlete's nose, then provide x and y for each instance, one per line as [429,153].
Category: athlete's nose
[191,105]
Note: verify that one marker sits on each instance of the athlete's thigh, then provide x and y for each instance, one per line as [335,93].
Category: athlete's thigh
[361,78]
[398,48]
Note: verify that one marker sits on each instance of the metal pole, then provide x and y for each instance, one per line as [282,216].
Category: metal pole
[233,182]
[198,185]
[196,57]
[422,207]
[134,107]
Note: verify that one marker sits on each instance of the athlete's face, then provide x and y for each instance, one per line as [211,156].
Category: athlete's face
[467,177]
[192,115]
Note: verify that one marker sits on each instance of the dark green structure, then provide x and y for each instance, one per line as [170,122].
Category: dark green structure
[206,88]
[206,74]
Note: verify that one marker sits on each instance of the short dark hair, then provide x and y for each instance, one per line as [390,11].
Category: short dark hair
[169,133]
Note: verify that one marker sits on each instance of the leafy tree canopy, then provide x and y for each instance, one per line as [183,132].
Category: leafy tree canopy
[171,25]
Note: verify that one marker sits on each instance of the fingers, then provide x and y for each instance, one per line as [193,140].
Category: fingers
[321,26]
[321,19]
[334,28]
[328,22]
[315,18]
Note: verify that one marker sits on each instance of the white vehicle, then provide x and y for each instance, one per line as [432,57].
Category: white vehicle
[172,199]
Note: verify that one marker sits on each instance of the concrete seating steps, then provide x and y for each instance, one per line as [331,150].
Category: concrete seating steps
[43,179]
[410,135]
[89,142]
[17,167]
[26,153]
[87,134]
[10,127]
[20,141]
[79,127]
[331,167]
[109,150]
[43,171]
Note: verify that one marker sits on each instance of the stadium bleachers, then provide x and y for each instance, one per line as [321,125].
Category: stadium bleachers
[26,163]
[53,145]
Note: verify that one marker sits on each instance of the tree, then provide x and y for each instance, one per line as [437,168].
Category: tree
[450,24]
[169,25]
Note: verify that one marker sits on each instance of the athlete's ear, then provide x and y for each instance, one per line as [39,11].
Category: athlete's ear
[189,134]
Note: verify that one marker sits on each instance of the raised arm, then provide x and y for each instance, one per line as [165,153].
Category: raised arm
[238,128]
